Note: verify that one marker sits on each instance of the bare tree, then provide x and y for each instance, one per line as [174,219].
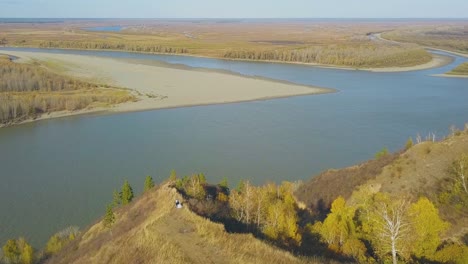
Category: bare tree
[460,170]
[392,227]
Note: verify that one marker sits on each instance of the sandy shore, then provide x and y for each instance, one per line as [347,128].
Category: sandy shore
[437,61]
[450,75]
[158,86]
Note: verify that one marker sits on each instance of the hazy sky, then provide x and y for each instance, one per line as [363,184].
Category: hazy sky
[234,8]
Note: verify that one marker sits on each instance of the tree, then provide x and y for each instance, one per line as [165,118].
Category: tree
[54,244]
[338,227]
[409,143]
[11,251]
[224,183]
[389,226]
[427,228]
[149,183]
[27,252]
[460,171]
[195,186]
[173,176]
[127,193]
[381,153]
[116,198]
[109,218]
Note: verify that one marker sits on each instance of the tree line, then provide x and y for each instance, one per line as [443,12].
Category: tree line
[149,47]
[352,55]
[27,91]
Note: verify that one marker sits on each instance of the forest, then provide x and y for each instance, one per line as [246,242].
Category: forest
[359,54]
[29,90]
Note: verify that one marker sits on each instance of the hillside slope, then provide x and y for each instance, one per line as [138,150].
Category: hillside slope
[422,170]
[152,230]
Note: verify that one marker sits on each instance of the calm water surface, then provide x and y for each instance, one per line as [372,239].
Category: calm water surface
[62,172]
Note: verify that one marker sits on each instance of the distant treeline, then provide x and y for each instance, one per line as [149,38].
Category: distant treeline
[128,46]
[452,38]
[358,55]
[26,91]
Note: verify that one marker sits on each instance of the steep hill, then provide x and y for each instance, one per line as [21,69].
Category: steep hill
[425,169]
[152,230]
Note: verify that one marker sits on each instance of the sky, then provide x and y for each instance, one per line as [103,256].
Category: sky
[234,8]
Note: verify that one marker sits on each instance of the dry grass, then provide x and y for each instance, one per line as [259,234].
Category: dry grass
[319,192]
[337,43]
[452,36]
[418,171]
[152,230]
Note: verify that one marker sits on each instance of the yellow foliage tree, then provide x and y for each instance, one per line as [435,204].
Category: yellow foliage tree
[427,228]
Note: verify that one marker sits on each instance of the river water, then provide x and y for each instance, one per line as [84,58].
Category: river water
[61,172]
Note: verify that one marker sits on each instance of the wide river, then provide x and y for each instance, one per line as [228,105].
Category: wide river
[61,172]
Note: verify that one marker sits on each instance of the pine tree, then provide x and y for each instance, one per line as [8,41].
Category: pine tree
[224,183]
[127,193]
[409,143]
[149,183]
[116,199]
[109,218]
[173,176]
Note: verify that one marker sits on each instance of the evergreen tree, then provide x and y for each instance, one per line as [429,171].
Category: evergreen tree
[149,183]
[173,176]
[109,218]
[127,193]
[224,183]
[116,198]
[409,143]
[202,178]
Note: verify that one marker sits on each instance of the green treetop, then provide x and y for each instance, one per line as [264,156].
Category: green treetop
[127,193]
[149,183]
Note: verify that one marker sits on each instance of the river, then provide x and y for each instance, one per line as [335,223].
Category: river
[61,172]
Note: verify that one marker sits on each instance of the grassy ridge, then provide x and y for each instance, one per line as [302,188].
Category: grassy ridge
[27,91]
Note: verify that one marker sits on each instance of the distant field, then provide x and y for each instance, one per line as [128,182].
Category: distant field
[452,37]
[330,42]
[461,69]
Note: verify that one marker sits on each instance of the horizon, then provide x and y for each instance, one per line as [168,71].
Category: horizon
[148,9]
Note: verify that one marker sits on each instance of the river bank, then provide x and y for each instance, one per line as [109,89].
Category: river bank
[158,86]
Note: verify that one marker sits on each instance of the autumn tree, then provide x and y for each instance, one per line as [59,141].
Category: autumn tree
[409,143]
[26,251]
[11,251]
[195,186]
[149,183]
[126,193]
[389,227]
[427,228]
[281,222]
[54,244]
[460,172]
[338,226]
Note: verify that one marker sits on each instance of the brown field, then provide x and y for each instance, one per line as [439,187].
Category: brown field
[344,43]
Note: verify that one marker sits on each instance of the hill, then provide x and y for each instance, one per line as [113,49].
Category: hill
[152,230]
[425,169]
